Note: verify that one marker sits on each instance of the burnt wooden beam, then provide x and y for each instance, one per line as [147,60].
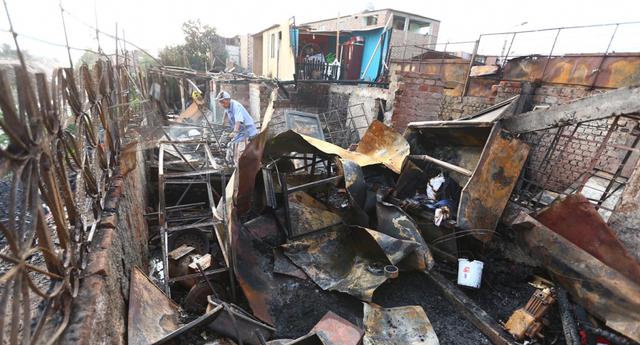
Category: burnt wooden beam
[471,311]
[620,102]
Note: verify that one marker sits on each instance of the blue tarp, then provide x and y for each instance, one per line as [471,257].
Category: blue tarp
[371,38]
[293,38]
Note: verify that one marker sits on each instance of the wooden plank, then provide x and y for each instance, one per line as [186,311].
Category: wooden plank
[471,311]
[623,101]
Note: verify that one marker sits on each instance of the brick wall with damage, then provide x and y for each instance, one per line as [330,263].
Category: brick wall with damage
[417,97]
[99,313]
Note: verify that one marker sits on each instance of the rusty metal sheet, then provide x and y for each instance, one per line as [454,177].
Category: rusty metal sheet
[487,192]
[282,265]
[249,165]
[603,291]
[384,144]
[192,113]
[291,141]
[613,71]
[337,331]
[397,326]
[235,323]
[411,178]
[250,162]
[152,315]
[202,320]
[253,269]
[309,215]
[577,220]
[347,259]
[353,181]
[393,221]
[307,339]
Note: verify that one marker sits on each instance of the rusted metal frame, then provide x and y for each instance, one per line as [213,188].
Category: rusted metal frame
[162,220]
[548,151]
[285,201]
[206,318]
[467,78]
[192,173]
[196,275]
[546,64]
[313,165]
[605,195]
[604,57]
[312,184]
[48,273]
[52,261]
[616,146]
[330,138]
[470,310]
[48,184]
[441,60]
[177,150]
[212,206]
[443,164]
[190,226]
[594,201]
[596,157]
[589,109]
[549,154]
[184,181]
[506,56]
[320,160]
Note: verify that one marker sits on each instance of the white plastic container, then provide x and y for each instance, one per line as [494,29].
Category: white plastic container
[470,273]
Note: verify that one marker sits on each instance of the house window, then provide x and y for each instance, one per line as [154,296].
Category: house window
[398,23]
[419,27]
[371,20]
[272,46]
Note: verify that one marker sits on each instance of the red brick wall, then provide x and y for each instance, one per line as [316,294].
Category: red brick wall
[418,97]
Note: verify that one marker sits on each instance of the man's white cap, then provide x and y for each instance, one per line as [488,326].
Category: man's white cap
[223,95]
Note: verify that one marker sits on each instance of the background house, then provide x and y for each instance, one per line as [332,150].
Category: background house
[352,47]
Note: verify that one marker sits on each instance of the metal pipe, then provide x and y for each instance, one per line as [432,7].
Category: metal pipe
[467,79]
[312,184]
[443,164]
[506,56]
[546,64]
[564,27]
[595,79]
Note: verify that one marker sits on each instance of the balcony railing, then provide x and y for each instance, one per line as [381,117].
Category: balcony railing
[318,70]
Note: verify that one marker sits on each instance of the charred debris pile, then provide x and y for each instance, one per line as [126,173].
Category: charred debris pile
[433,236]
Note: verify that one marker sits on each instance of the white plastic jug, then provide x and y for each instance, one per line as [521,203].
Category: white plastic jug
[470,273]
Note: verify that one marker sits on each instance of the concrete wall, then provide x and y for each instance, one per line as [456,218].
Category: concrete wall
[256,56]
[455,107]
[351,22]
[245,49]
[400,36]
[99,313]
[361,100]
[282,64]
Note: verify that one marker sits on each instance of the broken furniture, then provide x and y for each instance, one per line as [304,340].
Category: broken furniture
[482,157]
[528,321]
[186,169]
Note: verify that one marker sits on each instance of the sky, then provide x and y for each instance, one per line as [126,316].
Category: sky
[153,24]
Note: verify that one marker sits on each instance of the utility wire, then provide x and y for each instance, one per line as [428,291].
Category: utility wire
[111,36]
[53,43]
